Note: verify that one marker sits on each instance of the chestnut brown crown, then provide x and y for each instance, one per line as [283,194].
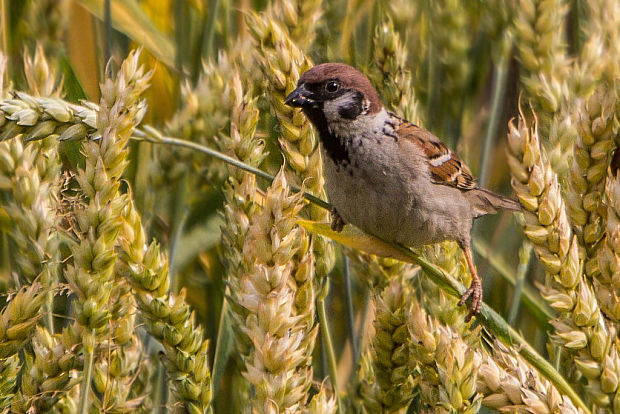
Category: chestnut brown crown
[325,81]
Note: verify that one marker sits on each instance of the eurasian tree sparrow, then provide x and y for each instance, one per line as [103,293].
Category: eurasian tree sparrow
[387,176]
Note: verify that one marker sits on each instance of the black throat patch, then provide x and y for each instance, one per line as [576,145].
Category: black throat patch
[337,148]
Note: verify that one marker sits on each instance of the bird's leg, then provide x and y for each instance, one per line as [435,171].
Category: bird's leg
[337,221]
[475,290]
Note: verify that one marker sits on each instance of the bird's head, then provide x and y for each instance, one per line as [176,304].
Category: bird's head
[334,92]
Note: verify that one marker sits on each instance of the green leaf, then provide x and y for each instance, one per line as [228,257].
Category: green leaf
[224,346]
[353,237]
[199,239]
[72,85]
[490,319]
[529,297]
[129,19]
[5,221]
[70,150]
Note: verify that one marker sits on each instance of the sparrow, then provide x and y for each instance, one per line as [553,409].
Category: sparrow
[388,176]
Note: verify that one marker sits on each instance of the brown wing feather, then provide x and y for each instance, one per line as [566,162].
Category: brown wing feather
[444,165]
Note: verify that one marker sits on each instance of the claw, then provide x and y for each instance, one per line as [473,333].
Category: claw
[475,292]
[337,222]
[475,289]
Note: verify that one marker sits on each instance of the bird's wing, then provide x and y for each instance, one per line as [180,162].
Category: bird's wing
[445,166]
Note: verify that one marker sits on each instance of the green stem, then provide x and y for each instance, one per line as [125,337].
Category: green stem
[107,27]
[49,317]
[347,33]
[176,235]
[229,160]
[557,356]
[180,34]
[327,341]
[431,90]
[500,77]
[4,12]
[5,254]
[530,299]
[524,262]
[159,396]
[213,12]
[490,319]
[223,344]
[373,17]
[86,377]
[349,302]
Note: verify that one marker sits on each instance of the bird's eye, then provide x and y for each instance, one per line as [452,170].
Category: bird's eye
[332,86]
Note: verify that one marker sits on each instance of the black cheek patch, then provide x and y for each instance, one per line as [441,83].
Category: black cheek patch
[353,108]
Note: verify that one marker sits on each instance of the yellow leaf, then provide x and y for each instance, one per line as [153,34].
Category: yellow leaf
[130,19]
[354,238]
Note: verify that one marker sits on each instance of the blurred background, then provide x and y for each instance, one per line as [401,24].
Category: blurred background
[460,68]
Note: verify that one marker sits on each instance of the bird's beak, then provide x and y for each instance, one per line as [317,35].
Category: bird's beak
[300,97]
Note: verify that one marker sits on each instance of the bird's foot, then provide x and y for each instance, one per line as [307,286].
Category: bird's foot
[475,291]
[337,221]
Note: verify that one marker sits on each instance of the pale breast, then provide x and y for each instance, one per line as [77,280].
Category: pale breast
[387,193]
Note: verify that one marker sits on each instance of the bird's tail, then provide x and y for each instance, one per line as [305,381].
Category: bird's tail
[487,202]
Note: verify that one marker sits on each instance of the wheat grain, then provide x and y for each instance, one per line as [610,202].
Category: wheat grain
[588,175]
[323,402]
[450,49]
[510,385]
[391,358]
[302,19]
[581,328]
[390,73]
[539,28]
[282,62]
[270,273]
[446,366]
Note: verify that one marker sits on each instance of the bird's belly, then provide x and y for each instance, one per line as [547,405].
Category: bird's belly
[378,200]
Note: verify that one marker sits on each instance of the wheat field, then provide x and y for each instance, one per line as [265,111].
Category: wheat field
[164,229]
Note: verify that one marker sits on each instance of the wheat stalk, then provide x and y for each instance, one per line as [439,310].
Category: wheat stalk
[280,321]
[282,62]
[588,175]
[301,19]
[392,363]
[167,316]
[580,328]
[270,273]
[607,283]
[510,385]
[31,176]
[539,28]
[9,368]
[98,221]
[203,114]
[447,367]
[390,73]
[45,21]
[600,54]
[50,374]
[449,57]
